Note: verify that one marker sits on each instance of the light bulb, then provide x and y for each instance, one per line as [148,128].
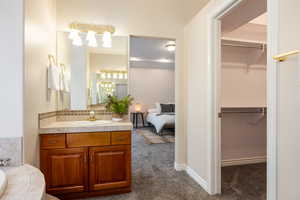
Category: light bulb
[108,75]
[77,41]
[93,43]
[103,75]
[107,40]
[120,75]
[91,35]
[115,75]
[73,34]
[125,76]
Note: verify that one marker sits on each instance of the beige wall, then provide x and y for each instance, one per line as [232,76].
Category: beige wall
[11,62]
[151,85]
[243,84]
[243,77]
[198,102]
[107,62]
[40,40]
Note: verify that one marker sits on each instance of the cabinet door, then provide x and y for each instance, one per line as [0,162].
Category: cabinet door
[110,167]
[65,170]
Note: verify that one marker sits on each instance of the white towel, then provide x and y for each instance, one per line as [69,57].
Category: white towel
[65,81]
[54,74]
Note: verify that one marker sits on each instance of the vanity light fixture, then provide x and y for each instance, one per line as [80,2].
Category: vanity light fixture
[171,46]
[92,30]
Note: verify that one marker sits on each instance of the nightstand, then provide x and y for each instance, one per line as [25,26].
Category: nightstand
[135,118]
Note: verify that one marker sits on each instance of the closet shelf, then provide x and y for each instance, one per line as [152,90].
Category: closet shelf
[244,110]
[243,43]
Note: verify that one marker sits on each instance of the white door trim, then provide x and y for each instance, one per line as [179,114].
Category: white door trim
[272,100]
[214,137]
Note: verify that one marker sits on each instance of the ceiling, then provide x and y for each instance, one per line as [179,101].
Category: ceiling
[244,13]
[150,52]
[260,20]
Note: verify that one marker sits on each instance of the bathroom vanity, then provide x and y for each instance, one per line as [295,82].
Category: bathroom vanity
[82,159]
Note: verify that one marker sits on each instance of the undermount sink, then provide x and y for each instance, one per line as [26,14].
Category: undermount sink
[3,182]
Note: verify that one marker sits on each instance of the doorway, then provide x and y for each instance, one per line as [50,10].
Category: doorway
[242,109]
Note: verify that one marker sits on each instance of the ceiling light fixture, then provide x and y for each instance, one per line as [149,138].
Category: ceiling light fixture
[171,46]
[135,59]
[163,60]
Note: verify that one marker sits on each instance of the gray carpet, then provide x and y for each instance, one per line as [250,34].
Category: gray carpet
[154,178]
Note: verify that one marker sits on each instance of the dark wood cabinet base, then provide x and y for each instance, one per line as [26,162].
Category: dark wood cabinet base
[79,165]
[71,196]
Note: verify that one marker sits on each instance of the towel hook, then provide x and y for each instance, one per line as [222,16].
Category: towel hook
[51,59]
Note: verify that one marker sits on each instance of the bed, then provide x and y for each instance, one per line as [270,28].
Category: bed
[160,120]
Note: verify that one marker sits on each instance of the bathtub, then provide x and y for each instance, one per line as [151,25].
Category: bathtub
[25,182]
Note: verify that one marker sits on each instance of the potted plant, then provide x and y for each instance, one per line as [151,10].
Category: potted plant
[119,107]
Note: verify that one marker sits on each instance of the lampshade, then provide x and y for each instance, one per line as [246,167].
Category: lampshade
[91,38]
[93,43]
[77,41]
[73,34]
[90,35]
[137,107]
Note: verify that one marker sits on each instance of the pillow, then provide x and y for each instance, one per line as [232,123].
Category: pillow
[166,108]
[173,107]
[153,110]
[158,108]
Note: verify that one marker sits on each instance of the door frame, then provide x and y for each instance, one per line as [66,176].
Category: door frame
[214,67]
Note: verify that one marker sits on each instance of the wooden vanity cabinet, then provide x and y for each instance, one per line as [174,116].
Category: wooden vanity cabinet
[65,170]
[110,167]
[86,164]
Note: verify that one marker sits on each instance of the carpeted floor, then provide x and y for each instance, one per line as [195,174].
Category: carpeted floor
[154,178]
[152,138]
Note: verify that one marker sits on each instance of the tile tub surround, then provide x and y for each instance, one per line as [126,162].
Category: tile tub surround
[12,148]
[84,126]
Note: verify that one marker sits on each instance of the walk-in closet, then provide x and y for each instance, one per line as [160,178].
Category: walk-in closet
[243,101]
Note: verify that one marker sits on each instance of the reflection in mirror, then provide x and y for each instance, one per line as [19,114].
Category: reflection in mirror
[96,72]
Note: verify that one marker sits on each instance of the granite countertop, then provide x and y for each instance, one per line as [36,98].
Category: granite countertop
[85,126]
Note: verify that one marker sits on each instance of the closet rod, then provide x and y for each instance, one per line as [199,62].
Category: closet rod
[257,111]
[262,46]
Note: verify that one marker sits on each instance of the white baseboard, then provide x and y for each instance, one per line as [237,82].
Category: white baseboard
[197,178]
[244,161]
[179,167]
[192,174]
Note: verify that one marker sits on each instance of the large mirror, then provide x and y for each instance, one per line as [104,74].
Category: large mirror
[95,72]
